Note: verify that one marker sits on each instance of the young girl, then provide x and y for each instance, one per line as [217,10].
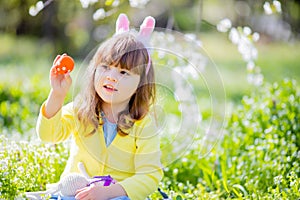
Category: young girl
[112,132]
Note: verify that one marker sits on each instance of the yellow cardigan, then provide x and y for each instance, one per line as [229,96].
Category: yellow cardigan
[132,160]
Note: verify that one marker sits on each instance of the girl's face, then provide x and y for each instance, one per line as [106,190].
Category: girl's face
[115,85]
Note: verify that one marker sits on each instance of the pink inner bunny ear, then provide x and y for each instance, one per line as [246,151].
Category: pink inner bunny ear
[147,27]
[122,24]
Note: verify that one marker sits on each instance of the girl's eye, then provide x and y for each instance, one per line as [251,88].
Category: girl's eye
[104,67]
[124,72]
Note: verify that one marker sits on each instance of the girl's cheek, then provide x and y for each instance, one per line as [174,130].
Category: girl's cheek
[97,83]
[98,76]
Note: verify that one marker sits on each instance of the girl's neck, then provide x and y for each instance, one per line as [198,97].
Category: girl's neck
[111,112]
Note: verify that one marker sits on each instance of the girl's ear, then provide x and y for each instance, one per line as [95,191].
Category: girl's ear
[147,27]
[122,24]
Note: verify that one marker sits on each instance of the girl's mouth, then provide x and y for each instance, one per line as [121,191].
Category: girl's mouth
[110,88]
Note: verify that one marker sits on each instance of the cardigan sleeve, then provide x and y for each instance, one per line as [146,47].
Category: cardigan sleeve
[57,128]
[148,169]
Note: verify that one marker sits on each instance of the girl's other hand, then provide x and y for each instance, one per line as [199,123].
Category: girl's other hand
[98,192]
[92,192]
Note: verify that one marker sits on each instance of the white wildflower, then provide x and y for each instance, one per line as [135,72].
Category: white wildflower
[255,79]
[138,3]
[3,164]
[191,72]
[224,25]
[190,36]
[34,10]
[258,80]
[250,66]
[161,54]
[247,49]
[116,3]
[180,186]
[267,8]
[175,171]
[183,94]
[170,37]
[234,36]
[99,14]
[86,3]
[184,160]
[247,30]
[277,6]
[20,169]
[278,179]
[255,37]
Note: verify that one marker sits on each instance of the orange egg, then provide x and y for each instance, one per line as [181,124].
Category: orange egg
[64,64]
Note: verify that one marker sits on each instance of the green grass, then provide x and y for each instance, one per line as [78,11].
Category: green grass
[280,60]
[257,157]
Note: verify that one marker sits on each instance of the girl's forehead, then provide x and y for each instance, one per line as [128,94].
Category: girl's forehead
[135,70]
[125,61]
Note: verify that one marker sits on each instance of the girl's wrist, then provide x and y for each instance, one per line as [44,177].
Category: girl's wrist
[57,95]
[53,104]
[116,190]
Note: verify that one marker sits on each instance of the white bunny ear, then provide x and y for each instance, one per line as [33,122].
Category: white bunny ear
[147,27]
[122,24]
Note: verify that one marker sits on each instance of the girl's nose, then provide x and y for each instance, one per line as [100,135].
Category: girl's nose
[111,78]
[112,75]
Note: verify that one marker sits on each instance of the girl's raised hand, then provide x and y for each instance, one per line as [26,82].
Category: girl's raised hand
[63,64]
[60,79]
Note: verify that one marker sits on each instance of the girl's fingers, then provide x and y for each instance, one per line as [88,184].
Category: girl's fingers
[63,64]
[53,71]
[82,193]
[57,57]
[80,190]
[68,78]
[53,68]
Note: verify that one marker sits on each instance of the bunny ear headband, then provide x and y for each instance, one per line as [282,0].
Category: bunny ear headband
[146,29]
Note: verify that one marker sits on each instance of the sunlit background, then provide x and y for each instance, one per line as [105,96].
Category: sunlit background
[228,74]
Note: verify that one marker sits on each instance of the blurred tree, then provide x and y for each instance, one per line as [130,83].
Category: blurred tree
[291,14]
[280,24]
[15,18]
[76,26]
[65,24]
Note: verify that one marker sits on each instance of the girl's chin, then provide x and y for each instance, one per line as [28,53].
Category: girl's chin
[113,98]
[109,99]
